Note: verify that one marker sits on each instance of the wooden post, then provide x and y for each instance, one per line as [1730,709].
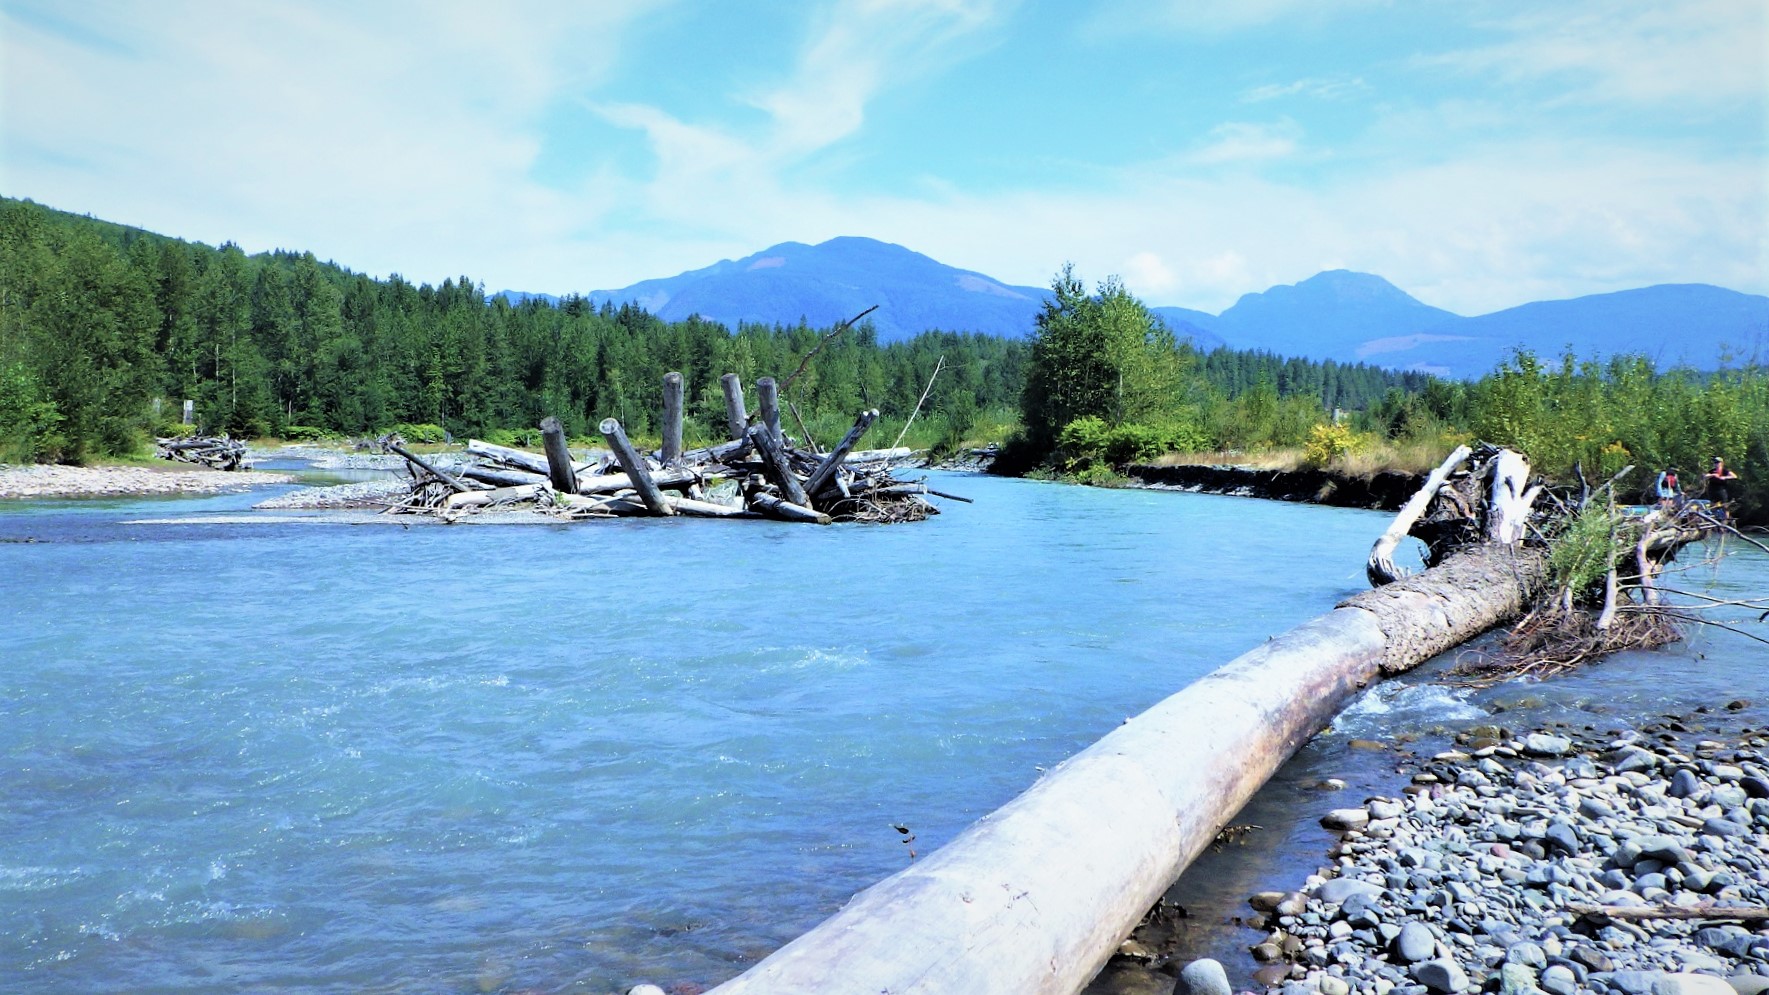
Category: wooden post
[779,471]
[826,470]
[637,471]
[736,416]
[190,412]
[558,456]
[672,418]
[768,397]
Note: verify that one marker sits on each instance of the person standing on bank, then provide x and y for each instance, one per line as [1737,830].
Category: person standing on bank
[1717,491]
[1668,492]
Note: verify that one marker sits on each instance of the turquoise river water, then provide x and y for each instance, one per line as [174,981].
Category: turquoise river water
[259,756]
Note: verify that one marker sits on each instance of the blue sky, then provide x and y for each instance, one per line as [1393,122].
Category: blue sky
[1479,155]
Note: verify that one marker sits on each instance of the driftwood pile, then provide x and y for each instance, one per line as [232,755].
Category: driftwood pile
[217,454]
[760,473]
[1601,566]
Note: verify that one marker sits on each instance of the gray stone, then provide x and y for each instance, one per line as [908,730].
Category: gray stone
[1203,977]
[1592,958]
[645,990]
[1441,975]
[1723,827]
[1330,985]
[1346,818]
[1339,889]
[1683,784]
[1562,836]
[1542,744]
[1749,984]
[1516,979]
[1415,943]
[1688,983]
[1631,982]
[1527,954]
[1559,980]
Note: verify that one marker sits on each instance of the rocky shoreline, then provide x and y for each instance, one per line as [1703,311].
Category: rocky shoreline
[1564,861]
[52,481]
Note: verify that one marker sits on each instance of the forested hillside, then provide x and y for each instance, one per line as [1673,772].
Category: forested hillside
[98,322]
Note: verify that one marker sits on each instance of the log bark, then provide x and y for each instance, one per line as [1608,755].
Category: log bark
[672,419]
[1380,568]
[637,471]
[516,457]
[559,469]
[503,478]
[454,483]
[778,469]
[826,470]
[1035,897]
[773,507]
[499,495]
[736,415]
[768,402]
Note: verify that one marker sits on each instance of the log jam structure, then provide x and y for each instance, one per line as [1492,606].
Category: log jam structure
[1035,897]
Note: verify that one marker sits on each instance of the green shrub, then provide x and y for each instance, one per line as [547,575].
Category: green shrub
[514,438]
[303,433]
[1328,443]
[421,432]
[1089,441]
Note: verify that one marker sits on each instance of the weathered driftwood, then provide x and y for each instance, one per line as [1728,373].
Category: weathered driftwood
[768,403]
[637,471]
[1510,498]
[825,472]
[608,483]
[736,415]
[1034,897]
[1381,569]
[779,471]
[220,453]
[671,452]
[495,496]
[425,465]
[559,470]
[525,461]
[774,507]
[503,478]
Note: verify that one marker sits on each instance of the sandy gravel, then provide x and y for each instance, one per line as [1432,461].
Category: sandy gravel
[43,481]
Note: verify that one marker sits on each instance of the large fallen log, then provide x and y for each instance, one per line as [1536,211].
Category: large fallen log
[1035,897]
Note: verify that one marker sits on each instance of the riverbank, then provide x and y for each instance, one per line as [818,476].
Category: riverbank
[41,480]
[1384,490]
[1570,859]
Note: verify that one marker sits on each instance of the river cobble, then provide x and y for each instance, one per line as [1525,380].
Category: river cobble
[1530,865]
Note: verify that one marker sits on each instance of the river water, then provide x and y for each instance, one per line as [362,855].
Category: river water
[241,756]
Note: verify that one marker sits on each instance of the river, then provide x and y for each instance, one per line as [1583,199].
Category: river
[261,755]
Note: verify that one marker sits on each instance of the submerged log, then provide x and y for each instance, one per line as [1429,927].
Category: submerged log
[559,469]
[637,471]
[1035,897]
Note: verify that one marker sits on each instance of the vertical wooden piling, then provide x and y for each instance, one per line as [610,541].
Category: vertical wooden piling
[558,456]
[779,471]
[736,416]
[825,472]
[634,465]
[672,418]
[768,398]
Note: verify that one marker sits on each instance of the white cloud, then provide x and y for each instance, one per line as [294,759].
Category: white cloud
[1247,142]
[1639,51]
[1319,88]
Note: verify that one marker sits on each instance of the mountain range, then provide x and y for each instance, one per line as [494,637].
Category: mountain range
[1340,315]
